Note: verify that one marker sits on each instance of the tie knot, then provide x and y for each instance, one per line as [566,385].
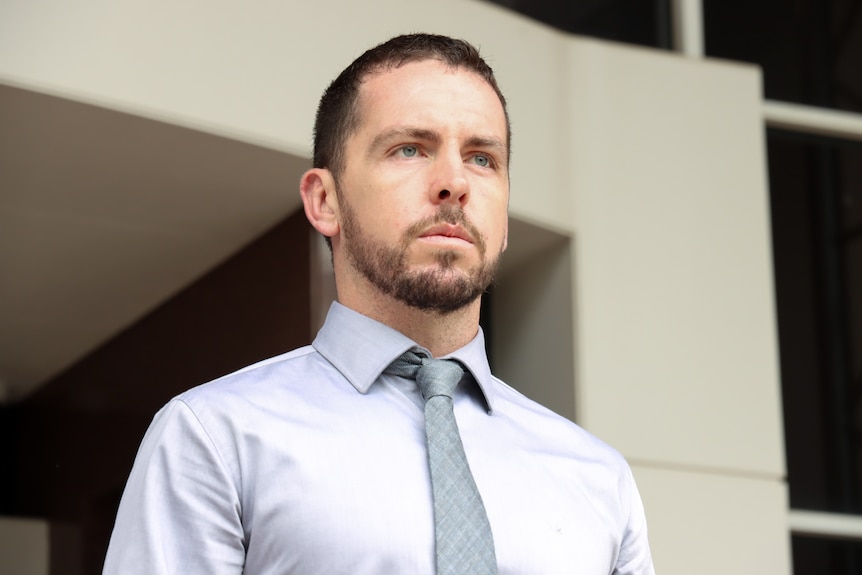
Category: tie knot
[433,376]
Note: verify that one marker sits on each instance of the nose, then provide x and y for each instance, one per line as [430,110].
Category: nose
[449,182]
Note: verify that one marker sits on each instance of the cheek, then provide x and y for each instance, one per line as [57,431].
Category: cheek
[503,231]
[369,205]
[496,230]
[499,218]
[389,199]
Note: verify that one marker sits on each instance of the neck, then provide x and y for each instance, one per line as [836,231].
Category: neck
[438,333]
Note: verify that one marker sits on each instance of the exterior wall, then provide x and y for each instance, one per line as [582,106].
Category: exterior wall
[649,164]
[675,320]
[674,327]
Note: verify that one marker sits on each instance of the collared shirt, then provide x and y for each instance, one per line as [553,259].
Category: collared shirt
[314,462]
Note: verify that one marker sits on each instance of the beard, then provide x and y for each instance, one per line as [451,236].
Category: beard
[442,288]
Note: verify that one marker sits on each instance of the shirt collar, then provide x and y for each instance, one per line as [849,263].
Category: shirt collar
[361,348]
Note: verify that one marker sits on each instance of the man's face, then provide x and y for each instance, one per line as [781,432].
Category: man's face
[424,191]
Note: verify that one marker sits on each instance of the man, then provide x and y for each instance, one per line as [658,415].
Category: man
[316,461]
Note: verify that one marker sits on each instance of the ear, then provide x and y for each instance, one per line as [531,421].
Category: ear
[317,187]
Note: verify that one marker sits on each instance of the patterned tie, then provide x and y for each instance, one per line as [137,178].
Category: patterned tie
[465,545]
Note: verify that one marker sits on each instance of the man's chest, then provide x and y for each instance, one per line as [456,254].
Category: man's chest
[355,497]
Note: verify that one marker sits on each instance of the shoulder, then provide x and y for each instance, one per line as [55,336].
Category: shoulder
[547,427]
[594,472]
[259,400]
[266,376]
[260,393]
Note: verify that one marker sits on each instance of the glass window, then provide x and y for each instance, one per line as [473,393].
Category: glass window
[816,217]
[643,22]
[815,556]
[810,50]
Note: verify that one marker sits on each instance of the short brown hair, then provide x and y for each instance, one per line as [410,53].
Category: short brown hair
[338,115]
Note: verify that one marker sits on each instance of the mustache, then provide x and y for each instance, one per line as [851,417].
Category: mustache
[446,215]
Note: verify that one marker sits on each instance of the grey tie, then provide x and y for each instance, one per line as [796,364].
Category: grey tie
[465,545]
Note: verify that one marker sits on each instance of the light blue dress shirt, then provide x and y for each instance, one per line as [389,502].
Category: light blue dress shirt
[312,462]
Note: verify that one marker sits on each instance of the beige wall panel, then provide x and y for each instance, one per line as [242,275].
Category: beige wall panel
[531,339]
[254,72]
[713,524]
[24,546]
[674,314]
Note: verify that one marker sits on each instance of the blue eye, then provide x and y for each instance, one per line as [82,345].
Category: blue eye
[409,151]
[483,161]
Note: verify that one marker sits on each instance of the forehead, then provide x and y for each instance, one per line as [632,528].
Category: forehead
[429,91]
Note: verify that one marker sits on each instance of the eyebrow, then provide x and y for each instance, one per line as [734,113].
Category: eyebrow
[386,136]
[412,133]
[488,143]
